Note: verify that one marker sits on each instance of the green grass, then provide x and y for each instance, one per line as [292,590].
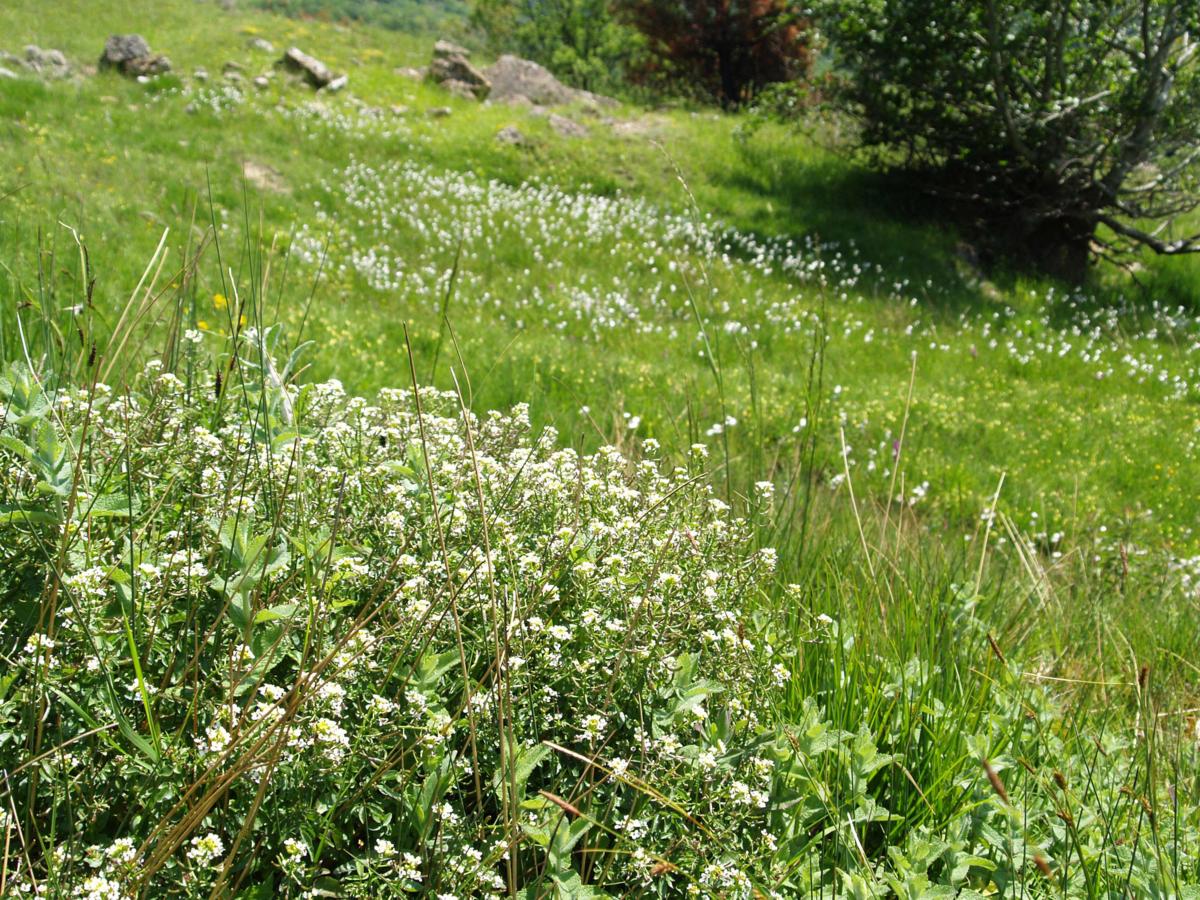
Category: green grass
[593,281]
[121,163]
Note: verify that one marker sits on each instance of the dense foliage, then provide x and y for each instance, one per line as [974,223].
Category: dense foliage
[724,50]
[579,40]
[1043,120]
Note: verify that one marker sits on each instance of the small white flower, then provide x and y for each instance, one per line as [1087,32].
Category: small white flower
[206,849]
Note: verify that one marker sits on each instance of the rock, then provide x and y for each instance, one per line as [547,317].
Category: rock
[512,136]
[337,84]
[201,74]
[8,73]
[51,63]
[516,80]
[444,49]
[232,66]
[438,112]
[120,48]
[264,177]
[451,69]
[233,77]
[314,71]
[262,82]
[130,55]
[567,127]
[260,44]
[460,89]
[644,126]
[148,66]
[411,72]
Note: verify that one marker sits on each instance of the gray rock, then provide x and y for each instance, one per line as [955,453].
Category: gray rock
[522,81]
[8,73]
[337,84]
[457,74]
[51,63]
[201,74]
[444,49]
[512,136]
[411,72]
[232,66]
[438,112]
[148,66]
[567,127]
[314,71]
[460,89]
[262,82]
[260,44]
[120,48]
[130,55]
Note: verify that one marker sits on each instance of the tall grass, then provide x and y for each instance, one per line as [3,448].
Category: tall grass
[732,679]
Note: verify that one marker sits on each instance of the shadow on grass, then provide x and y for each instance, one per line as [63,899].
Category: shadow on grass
[896,228]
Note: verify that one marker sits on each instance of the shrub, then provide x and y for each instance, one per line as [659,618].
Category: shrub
[724,50]
[1040,122]
[279,637]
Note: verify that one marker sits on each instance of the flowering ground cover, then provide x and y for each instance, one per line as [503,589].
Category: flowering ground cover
[800,560]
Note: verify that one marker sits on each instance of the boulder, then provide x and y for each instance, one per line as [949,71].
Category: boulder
[452,69]
[130,55]
[444,49]
[312,69]
[460,89]
[522,81]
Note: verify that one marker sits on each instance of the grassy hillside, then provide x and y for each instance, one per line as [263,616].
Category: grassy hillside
[1083,406]
[985,494]
[413,16]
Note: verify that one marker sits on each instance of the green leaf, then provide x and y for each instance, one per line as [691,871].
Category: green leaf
[114,506]
[23,450]
[282,611]
[14,515]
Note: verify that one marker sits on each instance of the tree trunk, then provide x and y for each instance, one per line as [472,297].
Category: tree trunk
[1061,246]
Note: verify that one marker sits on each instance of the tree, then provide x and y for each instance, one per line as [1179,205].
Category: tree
[579,40]
[728,49]
[1067,128]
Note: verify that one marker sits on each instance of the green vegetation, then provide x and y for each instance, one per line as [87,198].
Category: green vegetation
[413,16]
[1063,126]
[581,41]
[816,563]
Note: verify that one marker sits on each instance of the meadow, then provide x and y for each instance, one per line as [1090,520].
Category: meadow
[803,560]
